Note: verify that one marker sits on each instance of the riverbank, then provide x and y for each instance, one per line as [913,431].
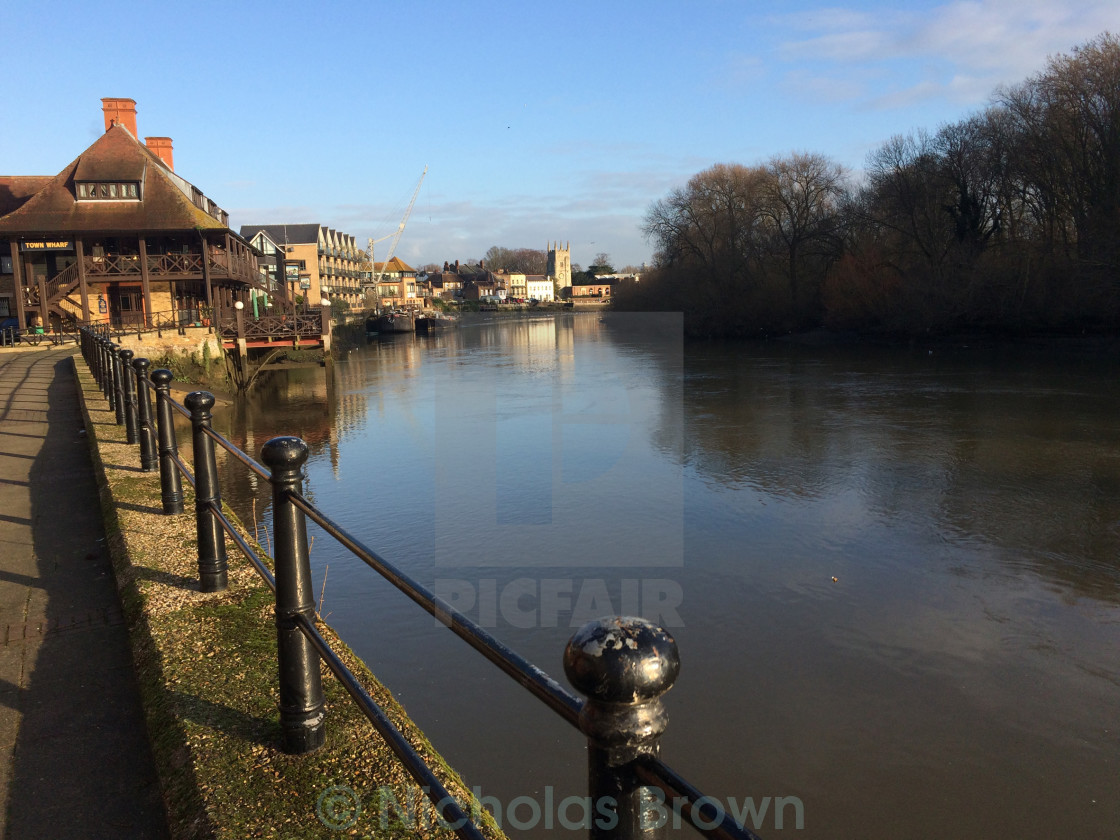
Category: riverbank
[206,665]
[1071,345]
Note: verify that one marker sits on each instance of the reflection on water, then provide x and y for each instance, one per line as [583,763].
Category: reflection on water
[895,576]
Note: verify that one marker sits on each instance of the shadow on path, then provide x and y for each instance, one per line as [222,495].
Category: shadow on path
[82,764]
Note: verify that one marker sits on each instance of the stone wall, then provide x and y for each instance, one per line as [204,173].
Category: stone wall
[153,345]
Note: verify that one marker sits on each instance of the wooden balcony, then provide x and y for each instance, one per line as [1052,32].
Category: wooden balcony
[223,266]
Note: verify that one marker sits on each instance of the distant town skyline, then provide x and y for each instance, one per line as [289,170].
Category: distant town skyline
[536,123]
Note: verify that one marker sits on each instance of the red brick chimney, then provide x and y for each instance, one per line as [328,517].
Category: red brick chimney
[161,146]
[120,112]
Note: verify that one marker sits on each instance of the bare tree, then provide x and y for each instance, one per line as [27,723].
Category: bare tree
[803,193]
[1068,118]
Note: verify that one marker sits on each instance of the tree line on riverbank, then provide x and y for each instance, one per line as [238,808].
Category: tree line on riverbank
[1008,220]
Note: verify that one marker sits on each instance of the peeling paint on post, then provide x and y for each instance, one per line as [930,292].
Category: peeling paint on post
[623,666]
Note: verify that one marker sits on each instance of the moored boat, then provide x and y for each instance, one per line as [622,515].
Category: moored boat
[391,322]
[435,323]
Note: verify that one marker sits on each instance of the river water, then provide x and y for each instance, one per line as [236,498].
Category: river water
[893,574]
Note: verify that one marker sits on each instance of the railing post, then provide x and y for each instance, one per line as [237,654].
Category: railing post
[118,383]
[99,358]
[212,560]
[131,433]
[148,458]
[107,367]
[170,484]
[623,666]
[301,691]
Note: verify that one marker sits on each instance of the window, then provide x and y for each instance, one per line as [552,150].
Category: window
[5,265]
[110,191]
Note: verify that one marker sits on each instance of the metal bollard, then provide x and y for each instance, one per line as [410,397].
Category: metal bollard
[623,665]
[170,484]
[107,366]
[110,382]
[148,459]
[98,361]
[118,383]
[301,691]
[212,560]
[128,386]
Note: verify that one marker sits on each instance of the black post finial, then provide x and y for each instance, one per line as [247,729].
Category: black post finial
[623,666]
[128,387]
[148,459]
[212,560]
[118,383]
[301,691]
[170,484]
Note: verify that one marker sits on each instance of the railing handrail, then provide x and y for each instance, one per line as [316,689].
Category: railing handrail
[526,674]
[598,716]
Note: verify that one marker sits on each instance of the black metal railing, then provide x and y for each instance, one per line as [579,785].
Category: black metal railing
[622,665]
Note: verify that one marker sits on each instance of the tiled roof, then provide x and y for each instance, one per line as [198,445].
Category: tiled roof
[115,155]
[301,234]
[16,189]
[396,264]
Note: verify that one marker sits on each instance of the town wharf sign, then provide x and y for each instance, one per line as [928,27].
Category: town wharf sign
[47,245]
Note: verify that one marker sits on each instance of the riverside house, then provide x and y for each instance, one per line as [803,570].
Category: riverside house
[118,237]
[322,262]
[397,286]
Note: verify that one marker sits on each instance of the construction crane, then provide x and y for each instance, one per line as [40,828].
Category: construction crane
[395,236]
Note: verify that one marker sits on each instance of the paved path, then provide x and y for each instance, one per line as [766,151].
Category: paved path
[74,756]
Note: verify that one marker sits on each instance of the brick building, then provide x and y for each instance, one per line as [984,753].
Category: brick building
[325,263]
[118,237]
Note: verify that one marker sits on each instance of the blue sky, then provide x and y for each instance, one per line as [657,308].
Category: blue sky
[537,121]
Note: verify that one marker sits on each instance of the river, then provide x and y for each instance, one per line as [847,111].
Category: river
[893,573]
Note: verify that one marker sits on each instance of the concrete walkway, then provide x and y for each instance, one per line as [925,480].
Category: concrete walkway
[74,755]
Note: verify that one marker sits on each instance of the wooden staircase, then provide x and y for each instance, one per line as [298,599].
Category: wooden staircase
[58,288]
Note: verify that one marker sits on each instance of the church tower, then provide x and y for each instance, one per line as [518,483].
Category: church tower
[560,265]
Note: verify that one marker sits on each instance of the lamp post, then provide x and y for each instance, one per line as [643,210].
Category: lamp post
[239,316]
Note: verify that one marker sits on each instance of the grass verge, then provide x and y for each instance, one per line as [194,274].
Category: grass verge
[206,664]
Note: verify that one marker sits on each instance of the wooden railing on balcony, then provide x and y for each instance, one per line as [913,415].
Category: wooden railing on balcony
[113,265]
[160,264]
[229,264]
[222,264]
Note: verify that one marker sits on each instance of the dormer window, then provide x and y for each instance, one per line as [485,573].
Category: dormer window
[108,191]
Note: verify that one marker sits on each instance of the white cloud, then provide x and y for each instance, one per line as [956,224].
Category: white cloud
[961,51]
